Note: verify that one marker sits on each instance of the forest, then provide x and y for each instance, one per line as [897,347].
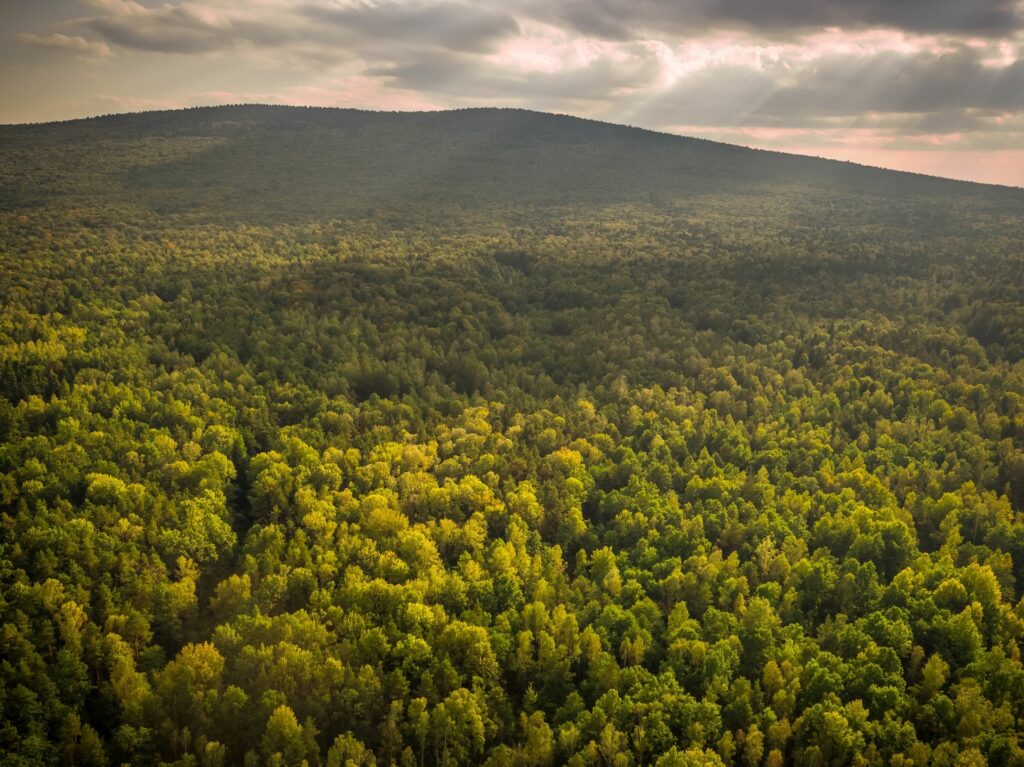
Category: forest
[491,437]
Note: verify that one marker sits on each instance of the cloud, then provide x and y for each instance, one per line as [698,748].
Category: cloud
[554,70]
[325,30]
[73,44]
[106,104]
[922,91]
[452,26]
[888,74]
[891,82]
[624,19]
[178,27]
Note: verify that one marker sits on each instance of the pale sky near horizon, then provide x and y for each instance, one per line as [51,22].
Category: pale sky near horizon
[933,86]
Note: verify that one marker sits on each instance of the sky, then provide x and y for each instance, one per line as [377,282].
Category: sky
[932,86]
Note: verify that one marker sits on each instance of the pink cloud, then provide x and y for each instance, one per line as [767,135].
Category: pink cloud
[934,154]
[990,166]
[360,92]
[872,41]
[108,103]
[549,49]
[86,49]
[355,92]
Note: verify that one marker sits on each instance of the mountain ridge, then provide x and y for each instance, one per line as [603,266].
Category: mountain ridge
[272,163]
[309,109]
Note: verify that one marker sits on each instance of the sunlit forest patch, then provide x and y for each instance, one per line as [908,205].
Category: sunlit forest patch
[494,437]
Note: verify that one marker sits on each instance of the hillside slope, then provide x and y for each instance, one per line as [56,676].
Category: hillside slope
[261,163]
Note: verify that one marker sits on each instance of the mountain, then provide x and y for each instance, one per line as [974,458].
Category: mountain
[275,163]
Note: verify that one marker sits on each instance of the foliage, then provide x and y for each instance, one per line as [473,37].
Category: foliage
[719,477]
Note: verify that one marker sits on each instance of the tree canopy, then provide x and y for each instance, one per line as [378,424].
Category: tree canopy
[733,477]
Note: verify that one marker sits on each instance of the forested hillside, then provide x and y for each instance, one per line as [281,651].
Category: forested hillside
[495,437]
[267,165]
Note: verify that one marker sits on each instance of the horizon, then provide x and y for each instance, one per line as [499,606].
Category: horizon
[106,115]
[935,88]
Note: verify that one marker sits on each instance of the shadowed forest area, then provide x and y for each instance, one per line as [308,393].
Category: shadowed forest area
[497,437]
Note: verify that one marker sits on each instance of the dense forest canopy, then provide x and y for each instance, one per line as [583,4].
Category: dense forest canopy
[495,437]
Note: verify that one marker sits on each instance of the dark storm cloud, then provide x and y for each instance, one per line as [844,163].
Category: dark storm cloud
[449,25]
[954,89]
[192,28]
[623,19]
[893,82]
[168,29]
